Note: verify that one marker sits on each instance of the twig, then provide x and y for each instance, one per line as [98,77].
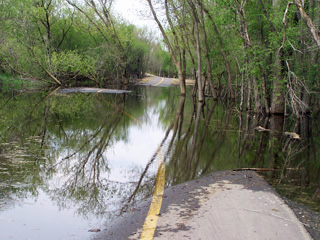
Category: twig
[257,169]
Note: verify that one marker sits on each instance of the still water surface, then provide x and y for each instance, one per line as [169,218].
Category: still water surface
[73,162]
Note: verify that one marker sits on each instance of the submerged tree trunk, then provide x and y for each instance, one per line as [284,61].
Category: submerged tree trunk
[276,125]
[257,107]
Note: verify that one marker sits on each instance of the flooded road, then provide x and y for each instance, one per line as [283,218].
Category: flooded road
[73,162]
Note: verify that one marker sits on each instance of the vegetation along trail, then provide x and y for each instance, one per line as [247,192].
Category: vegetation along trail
[147,114]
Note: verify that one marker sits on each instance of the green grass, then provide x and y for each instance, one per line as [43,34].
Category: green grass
[299,194]
[8,81]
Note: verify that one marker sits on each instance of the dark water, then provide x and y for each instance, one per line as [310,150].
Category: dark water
[72,162]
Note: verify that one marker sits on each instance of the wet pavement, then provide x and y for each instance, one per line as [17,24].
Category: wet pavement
[156,81]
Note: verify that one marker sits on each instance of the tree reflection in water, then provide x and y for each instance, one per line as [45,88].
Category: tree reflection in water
[75,134]
[86,171]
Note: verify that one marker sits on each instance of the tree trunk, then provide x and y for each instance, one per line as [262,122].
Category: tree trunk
[276,127]
[196,24]
[312,27]
[257,107]
[227,63]
[205,46]
[173,52]
[278,101]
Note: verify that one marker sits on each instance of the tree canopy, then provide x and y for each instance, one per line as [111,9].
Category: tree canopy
[71,43]
[263,53]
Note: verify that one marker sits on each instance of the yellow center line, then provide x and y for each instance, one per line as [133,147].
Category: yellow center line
[150,223]
[159,82]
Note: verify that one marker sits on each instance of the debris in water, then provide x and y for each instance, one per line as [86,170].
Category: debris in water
[262,129]
[292,135]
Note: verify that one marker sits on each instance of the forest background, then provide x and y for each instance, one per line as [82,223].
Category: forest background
[264,54]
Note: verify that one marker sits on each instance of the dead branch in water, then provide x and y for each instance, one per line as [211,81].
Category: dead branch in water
[257,169]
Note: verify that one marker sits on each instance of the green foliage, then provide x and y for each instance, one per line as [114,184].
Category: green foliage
[71,65]
[161,63]
[8,81]
[43,38]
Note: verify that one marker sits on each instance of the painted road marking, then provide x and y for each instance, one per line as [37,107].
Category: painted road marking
[150,223]
[159,82]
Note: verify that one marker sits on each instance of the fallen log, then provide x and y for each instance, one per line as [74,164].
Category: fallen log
[257,169]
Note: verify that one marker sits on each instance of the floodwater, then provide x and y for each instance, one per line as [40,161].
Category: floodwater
[71,162]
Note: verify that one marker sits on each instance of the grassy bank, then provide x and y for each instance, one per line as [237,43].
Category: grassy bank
[8,81]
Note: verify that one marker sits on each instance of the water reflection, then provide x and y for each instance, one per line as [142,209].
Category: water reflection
[217,137]
[201,137]
[81,153]
[94,154]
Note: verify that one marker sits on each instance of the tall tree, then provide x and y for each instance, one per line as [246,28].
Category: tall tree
[173,45]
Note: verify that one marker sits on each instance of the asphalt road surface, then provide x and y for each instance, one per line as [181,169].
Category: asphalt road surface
[223,205]
[158,81]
